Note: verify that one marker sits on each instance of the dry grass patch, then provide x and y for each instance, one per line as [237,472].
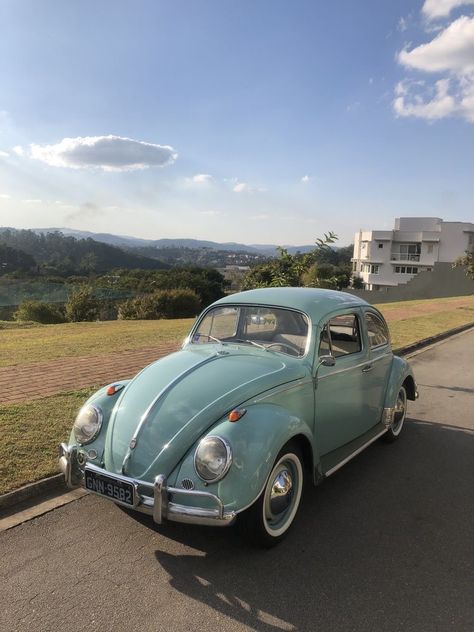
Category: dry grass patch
[31,433]
[411,321]
[27,345]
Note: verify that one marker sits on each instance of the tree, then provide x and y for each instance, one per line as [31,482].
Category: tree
[467,261]
[287,270]
[38,312]
[82,306]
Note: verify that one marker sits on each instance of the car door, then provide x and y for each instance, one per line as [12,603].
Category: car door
[381,356]
[342,409]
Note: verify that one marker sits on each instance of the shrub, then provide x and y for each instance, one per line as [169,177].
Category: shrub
[38,312]
[82,306]
[183,303]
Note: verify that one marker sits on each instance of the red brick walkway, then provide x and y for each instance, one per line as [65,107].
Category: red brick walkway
[32,381]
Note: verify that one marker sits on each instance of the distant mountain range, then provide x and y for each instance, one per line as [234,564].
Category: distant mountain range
[124,241]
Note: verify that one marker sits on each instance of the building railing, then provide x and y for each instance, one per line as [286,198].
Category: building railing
[402,256]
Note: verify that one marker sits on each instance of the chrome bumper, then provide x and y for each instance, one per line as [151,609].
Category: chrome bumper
[151,498]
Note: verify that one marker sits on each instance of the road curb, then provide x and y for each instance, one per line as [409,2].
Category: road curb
[32,490]
[426,342]
[56,482]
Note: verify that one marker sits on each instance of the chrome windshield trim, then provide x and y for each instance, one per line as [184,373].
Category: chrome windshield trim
[309,335]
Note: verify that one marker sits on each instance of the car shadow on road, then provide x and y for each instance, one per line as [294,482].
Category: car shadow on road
[384,544]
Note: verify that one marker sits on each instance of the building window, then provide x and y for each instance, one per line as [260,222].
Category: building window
[374,269]
[406,252]
[354,266]
[380,245]
[430,248]
[406,270]
[429,269]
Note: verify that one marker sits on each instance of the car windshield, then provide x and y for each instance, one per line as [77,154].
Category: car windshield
[272,328]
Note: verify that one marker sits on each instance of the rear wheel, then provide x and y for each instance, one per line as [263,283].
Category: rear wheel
[396,426]
[267,521]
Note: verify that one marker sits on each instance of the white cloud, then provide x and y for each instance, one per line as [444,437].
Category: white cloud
[402,24]
[433,9]
[202,178]
[5,196]
[18,150]
[32,201]
[305,179]
[3,154]
[450,52]
[244,187]
[241,187]
[110,153]
[415,99]
[210,213]
[261,217]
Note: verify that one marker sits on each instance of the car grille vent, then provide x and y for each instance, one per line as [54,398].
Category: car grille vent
[187,483]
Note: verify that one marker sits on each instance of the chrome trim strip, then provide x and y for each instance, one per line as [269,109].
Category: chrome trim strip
[164,391]
[355,453]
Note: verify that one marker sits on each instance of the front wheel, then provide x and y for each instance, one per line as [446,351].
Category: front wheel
[267,521]
[396,426]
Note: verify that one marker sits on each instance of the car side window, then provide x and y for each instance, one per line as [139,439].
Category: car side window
[376,330]
[341,336]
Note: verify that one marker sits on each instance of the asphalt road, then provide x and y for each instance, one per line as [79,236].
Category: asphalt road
[386,544]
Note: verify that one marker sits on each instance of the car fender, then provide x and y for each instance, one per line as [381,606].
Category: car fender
[399,373]
[106,403]
[256,439]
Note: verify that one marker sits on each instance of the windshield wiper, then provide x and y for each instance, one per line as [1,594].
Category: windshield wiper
[251,342]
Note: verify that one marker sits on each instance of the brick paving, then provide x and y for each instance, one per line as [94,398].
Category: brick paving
[32,381]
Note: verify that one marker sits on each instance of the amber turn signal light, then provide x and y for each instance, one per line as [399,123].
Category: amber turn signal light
[236,414]
[115,388]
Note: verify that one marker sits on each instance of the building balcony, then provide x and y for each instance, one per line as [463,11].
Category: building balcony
[400,256]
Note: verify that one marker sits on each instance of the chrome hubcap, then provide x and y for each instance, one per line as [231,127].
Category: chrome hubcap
[281,492]
[400,411]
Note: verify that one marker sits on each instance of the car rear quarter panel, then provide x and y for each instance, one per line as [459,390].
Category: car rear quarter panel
[399,372]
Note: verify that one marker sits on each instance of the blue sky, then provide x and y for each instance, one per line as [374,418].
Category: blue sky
[260,121]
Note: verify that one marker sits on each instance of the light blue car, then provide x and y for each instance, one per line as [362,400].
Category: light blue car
[272,388]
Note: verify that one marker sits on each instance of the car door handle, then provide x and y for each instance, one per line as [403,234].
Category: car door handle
[367,368]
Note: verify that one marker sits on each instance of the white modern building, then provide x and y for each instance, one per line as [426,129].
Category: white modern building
[384,258]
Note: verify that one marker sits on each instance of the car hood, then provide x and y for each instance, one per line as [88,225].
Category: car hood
[172,402]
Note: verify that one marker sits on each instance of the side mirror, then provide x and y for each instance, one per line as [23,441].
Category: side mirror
[327,360]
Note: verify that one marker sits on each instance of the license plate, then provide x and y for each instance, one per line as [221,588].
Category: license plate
[120,491]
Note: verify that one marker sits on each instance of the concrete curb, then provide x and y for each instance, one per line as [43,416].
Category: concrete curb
[22,494]
[426,342]
[56,482]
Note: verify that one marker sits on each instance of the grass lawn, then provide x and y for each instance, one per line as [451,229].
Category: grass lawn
[31,430]
[410,321]
[26,345]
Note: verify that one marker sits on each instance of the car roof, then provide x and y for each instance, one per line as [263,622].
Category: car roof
[315,302]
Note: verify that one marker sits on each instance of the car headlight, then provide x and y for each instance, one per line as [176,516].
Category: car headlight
[212,459]
[88,423]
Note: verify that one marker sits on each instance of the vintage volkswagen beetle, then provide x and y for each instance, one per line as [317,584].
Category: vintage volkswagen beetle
[272,386]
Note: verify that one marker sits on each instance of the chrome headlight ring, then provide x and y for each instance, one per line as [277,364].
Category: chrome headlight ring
[88,424]
[212,458]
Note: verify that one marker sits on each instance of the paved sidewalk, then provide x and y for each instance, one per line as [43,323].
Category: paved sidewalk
[32,381]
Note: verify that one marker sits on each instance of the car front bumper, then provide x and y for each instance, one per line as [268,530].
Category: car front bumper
[151,498]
